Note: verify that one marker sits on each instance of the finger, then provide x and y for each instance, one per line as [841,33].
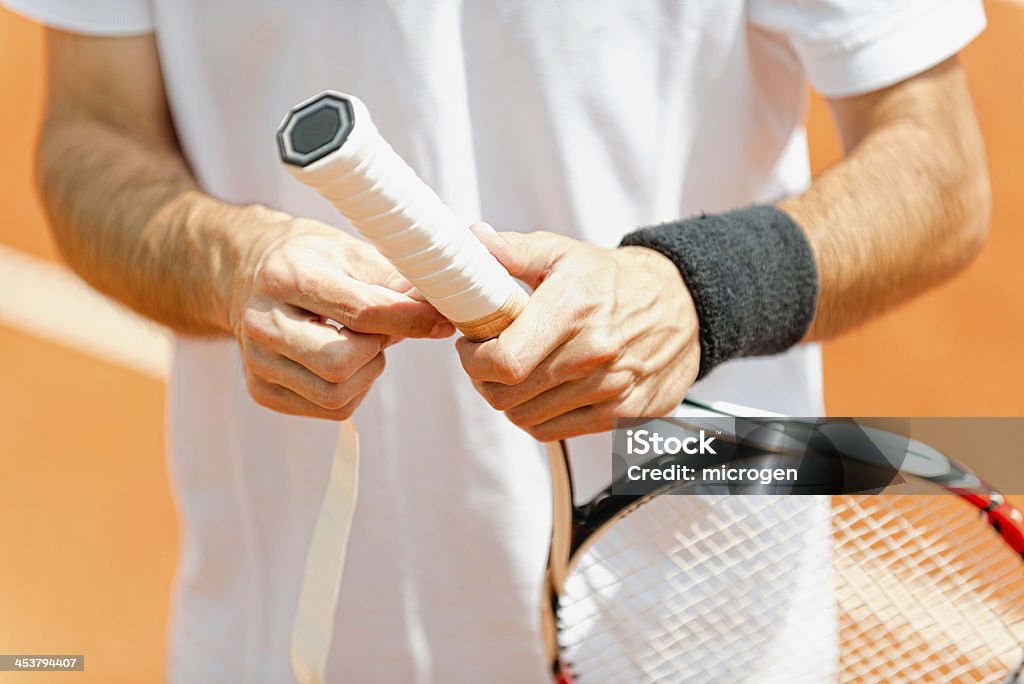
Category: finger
[282,371]
[395,281]
[574,360]
[366,308]
[331,353]
[376,309]
[502,249]
[283,400]
[582,421]
[548,321]
[527,256]
[373,268]
[398,283]
[596,388]
[413,293]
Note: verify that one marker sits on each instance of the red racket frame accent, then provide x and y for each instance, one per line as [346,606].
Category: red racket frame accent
[1002,515]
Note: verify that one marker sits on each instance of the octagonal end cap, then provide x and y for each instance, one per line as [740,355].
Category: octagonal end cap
[315,129]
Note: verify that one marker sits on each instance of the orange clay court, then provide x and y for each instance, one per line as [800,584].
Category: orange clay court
[87,525]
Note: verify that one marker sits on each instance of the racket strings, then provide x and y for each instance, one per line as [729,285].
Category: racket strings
[926,591]
[716,592]
[857,589]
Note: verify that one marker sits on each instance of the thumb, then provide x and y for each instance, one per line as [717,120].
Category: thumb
[397,282]
[527,256]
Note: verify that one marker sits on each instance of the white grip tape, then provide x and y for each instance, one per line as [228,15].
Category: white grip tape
[381,196]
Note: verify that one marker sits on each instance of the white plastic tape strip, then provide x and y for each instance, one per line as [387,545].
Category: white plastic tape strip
[325,562]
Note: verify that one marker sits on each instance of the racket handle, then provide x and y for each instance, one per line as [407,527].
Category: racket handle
[330,144]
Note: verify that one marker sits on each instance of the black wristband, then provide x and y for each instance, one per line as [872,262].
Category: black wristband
[752,276]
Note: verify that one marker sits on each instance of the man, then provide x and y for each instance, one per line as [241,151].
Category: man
[588,120]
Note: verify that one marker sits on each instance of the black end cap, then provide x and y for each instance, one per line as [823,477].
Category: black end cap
[315,129]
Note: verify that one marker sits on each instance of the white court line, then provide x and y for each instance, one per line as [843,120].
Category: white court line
[47,300]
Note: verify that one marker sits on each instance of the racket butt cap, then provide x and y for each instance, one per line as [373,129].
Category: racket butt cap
[490,326]
[315,129]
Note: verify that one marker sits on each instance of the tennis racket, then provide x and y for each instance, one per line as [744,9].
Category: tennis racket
[925,587]
[637,585]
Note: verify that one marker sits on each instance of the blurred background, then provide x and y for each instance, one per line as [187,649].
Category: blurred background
[87,529]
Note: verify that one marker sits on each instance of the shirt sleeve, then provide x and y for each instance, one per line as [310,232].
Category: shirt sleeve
[91,17]
[851,47]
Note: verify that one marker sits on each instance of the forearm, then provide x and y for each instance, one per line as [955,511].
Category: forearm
[128,218]
[906,209]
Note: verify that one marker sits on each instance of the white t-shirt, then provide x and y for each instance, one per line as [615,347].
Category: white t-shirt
[585,118]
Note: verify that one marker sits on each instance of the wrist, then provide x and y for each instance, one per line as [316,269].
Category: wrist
[751,274]
[653,261]
[230,241]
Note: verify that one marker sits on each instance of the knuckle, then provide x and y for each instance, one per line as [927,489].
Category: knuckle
[332,396]
[356,312]
[604,347]
[254,326]
[578,367]
[338,371]
[380,362]
[260,393]
[509,369]
[544,434]
[275,276]
[256,368]
[348,410]
[253,385]
[497,396]
[519,418]
[264,401]
[517,415]
[371,311]
[616,384]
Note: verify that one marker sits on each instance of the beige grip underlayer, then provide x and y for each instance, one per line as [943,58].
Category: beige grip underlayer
[492,325]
